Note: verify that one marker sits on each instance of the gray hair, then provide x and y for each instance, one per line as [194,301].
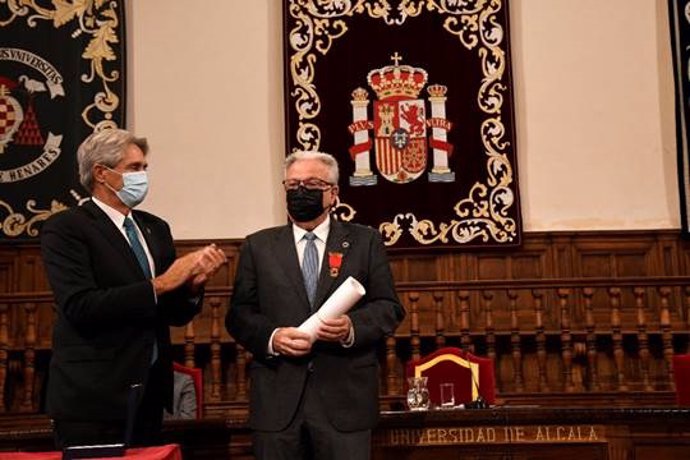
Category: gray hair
[325,158]
[106,147]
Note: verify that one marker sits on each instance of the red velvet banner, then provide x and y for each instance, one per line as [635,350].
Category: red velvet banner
[415,100]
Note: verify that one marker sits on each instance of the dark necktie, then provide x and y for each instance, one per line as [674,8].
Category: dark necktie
[310,266]
[137,248]
[140,254]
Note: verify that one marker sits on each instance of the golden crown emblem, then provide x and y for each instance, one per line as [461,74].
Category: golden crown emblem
[437,90]
[397,80]
[359,94]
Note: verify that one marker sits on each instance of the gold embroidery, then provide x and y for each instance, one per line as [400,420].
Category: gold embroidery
[15,223]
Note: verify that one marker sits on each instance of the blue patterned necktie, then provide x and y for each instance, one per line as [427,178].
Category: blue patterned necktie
[310,266]
[140,254]
[137,248]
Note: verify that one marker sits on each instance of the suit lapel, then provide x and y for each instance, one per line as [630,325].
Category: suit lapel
[338,243]
[112,235]
[286,256]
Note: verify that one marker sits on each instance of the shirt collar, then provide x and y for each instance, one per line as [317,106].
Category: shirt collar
[114,215]
[321,230]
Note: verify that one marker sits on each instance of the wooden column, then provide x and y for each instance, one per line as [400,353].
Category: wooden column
[189,338]
[617,338]
[216,364]
[29,357]
[241,374]
[591,341]
[465,339]
[391,364]
[540,338]
[642,337]
[515,342]
[440,322]
[4,346]
[415,341]
[666,336]
[566,340]
[487,297]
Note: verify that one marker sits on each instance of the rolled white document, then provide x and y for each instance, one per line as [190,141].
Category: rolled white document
[339,303]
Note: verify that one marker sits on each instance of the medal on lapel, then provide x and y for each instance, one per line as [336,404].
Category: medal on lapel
[335,260]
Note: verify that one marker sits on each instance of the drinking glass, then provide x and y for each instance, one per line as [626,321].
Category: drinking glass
[447,396]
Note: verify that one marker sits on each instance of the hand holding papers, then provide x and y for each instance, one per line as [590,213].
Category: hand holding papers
[339,303]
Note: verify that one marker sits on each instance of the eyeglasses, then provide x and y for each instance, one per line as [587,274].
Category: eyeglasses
[309,184]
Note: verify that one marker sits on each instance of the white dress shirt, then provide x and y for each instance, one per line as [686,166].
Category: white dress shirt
[119,220]
[321,231]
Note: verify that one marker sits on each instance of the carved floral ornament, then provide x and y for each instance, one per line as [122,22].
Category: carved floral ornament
[97,20]
[483,214]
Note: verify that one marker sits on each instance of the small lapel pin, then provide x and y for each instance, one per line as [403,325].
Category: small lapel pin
[346,244]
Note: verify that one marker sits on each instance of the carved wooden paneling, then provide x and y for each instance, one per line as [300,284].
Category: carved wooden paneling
[499,433]
[595,316]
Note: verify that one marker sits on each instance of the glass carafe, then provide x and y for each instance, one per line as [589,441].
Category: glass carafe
[417,393]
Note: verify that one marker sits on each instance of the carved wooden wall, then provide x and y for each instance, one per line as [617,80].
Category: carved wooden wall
[569,318]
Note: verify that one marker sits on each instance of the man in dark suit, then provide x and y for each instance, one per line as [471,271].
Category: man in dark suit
[312,400]
[118,286]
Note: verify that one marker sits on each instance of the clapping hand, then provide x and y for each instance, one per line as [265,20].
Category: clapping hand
[209,262]
[194,268]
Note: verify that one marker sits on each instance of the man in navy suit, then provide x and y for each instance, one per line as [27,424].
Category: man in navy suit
[312,400]
[118,287]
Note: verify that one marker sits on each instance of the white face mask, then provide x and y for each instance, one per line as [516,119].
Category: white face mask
[135,186]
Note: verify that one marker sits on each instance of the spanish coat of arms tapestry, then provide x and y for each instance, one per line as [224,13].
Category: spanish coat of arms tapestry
[414,98]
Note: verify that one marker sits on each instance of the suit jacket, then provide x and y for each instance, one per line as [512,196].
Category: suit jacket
[184,398]
[107,316]
[269,293]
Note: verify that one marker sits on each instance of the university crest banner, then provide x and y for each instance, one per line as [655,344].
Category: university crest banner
[415,100]
[61,78]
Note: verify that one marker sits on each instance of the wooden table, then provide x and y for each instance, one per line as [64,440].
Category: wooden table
[167,452]
[534,433]
[516,433]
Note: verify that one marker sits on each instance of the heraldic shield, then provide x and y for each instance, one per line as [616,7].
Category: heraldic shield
[400,133]
[400,126]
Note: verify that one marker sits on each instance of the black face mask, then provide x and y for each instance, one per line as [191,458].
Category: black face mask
[304,205]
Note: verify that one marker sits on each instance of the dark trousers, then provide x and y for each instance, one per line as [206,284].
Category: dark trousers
[147,423]
[310,436]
